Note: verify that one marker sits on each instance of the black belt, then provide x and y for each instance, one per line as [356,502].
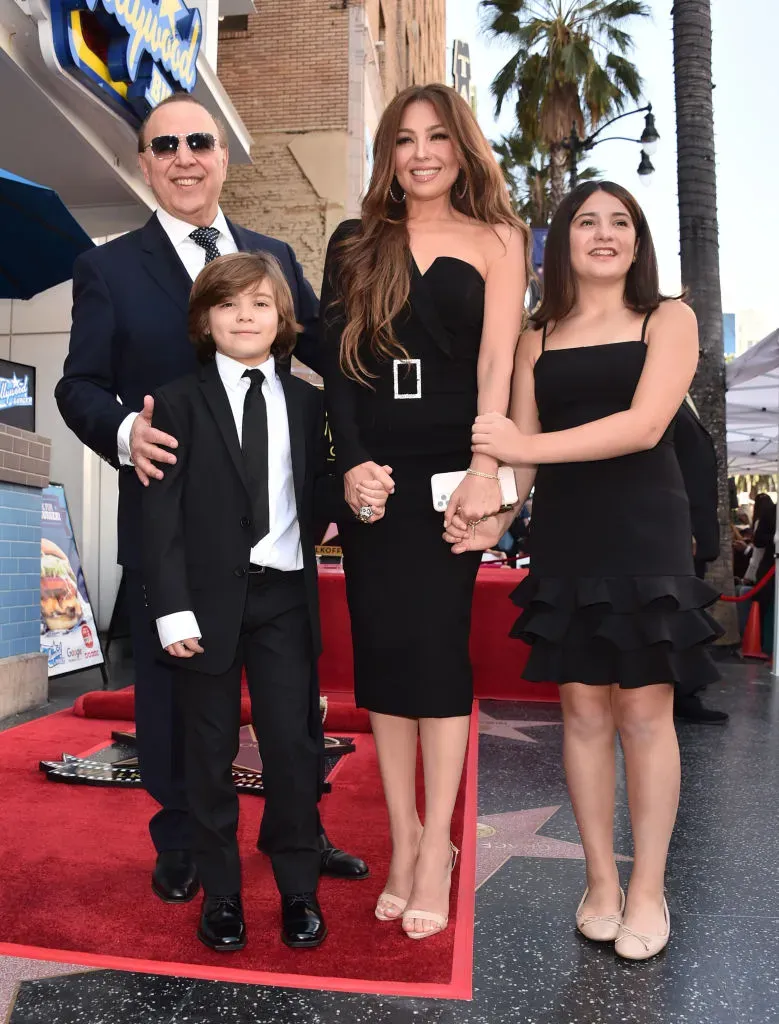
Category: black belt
[267,570]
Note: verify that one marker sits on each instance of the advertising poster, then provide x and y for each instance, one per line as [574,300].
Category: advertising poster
[17,395]
[68,632]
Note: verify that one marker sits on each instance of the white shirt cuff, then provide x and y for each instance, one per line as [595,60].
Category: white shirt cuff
[123,439]
[177,626]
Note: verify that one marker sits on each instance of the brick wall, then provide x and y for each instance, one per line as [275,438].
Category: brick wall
[288,76]
[413,33]
[24,457]
[20,569]
[289,70]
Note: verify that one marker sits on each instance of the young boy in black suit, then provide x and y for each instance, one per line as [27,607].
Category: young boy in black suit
[231,580]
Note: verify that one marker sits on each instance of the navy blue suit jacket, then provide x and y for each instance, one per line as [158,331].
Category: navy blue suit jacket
[129,337]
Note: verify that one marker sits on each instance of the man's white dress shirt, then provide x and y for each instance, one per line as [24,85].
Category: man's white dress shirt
[280,547]
[193,256]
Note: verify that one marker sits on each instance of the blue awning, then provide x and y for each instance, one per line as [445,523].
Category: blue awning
[41,238]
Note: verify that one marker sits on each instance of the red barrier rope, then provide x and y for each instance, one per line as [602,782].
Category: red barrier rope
[754,590]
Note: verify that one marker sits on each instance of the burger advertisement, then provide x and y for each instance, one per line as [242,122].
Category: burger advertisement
[69,635]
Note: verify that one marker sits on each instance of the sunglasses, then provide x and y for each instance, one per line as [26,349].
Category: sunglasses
[165,147]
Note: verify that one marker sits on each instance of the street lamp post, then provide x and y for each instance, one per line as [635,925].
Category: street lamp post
[648,142]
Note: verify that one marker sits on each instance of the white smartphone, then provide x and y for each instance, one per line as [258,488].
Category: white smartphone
[443,486]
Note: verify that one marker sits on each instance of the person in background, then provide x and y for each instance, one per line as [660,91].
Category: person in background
[697,459]
[765,538]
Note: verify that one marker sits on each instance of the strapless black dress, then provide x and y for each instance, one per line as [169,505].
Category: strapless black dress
[612,595]
[409,597]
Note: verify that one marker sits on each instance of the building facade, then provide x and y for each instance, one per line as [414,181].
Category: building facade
[310,81]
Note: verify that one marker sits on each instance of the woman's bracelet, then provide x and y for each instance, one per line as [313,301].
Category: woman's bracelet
[486,476]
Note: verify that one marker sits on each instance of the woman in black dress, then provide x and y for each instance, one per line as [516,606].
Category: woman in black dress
[422,308]
[612,607]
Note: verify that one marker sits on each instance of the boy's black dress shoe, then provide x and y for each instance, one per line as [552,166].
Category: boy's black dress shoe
[174,878]
[302,924]
[221,923]
[339,864]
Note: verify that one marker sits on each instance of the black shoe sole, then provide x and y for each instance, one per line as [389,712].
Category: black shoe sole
[345,878]
[304,945]
[167,899]
[234,947]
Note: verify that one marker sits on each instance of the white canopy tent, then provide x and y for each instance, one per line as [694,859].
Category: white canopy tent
[752,411]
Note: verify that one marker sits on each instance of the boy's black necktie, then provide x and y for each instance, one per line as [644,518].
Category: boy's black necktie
[254,444]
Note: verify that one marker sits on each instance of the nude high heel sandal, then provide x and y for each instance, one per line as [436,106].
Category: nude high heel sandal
[393,901]
[440,920]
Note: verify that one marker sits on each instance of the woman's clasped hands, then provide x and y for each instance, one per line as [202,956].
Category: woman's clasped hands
[368,486]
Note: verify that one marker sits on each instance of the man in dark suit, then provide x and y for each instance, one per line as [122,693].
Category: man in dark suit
[128,338]
[698,462]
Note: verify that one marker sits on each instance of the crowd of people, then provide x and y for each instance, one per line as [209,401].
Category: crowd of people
[178,375]
[754,553]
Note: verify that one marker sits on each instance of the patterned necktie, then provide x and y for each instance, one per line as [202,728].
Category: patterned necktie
[254,445]
[206,239]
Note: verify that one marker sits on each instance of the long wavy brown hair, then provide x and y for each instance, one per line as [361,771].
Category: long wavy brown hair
[374,266]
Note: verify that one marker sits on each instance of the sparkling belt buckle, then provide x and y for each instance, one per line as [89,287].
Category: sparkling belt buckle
[417,364]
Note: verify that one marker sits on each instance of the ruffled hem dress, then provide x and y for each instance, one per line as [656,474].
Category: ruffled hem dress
[612,596]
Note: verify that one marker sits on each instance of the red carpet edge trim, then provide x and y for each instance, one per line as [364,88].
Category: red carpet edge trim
[460,987]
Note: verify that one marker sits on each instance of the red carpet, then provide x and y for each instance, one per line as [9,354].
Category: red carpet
[342,715]
[76,863]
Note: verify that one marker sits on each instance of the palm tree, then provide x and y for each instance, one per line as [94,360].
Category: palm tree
[699,240]
[527,170]
[569,68]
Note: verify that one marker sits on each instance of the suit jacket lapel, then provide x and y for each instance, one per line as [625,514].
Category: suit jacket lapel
[425,309]
[240,236]
[163,264]
[297,434]
[216,397]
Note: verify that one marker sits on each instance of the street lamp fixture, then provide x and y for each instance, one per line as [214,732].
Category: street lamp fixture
[649,137]
[645,168]
[648,142]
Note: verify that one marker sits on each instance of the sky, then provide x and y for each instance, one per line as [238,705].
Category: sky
[746,124]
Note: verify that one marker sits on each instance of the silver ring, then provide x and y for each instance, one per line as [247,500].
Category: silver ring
[365,514]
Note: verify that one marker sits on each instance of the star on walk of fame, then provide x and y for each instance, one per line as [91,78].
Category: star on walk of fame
[509,728]
[514,834]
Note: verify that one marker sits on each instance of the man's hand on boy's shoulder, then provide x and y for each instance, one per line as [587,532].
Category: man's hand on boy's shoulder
[144,445]
[185,648]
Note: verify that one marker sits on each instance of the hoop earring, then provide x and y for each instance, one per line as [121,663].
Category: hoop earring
[461,195]
[392,195]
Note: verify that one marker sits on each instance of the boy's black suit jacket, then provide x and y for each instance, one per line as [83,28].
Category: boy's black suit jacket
[196,520]
[129,337]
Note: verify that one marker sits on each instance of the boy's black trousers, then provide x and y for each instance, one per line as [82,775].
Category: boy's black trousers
[275,647]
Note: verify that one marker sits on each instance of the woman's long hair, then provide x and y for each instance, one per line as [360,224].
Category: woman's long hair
[763,507]
[642,284]
[374,268]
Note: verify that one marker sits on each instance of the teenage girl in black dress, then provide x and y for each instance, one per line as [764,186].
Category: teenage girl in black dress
[612,606]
